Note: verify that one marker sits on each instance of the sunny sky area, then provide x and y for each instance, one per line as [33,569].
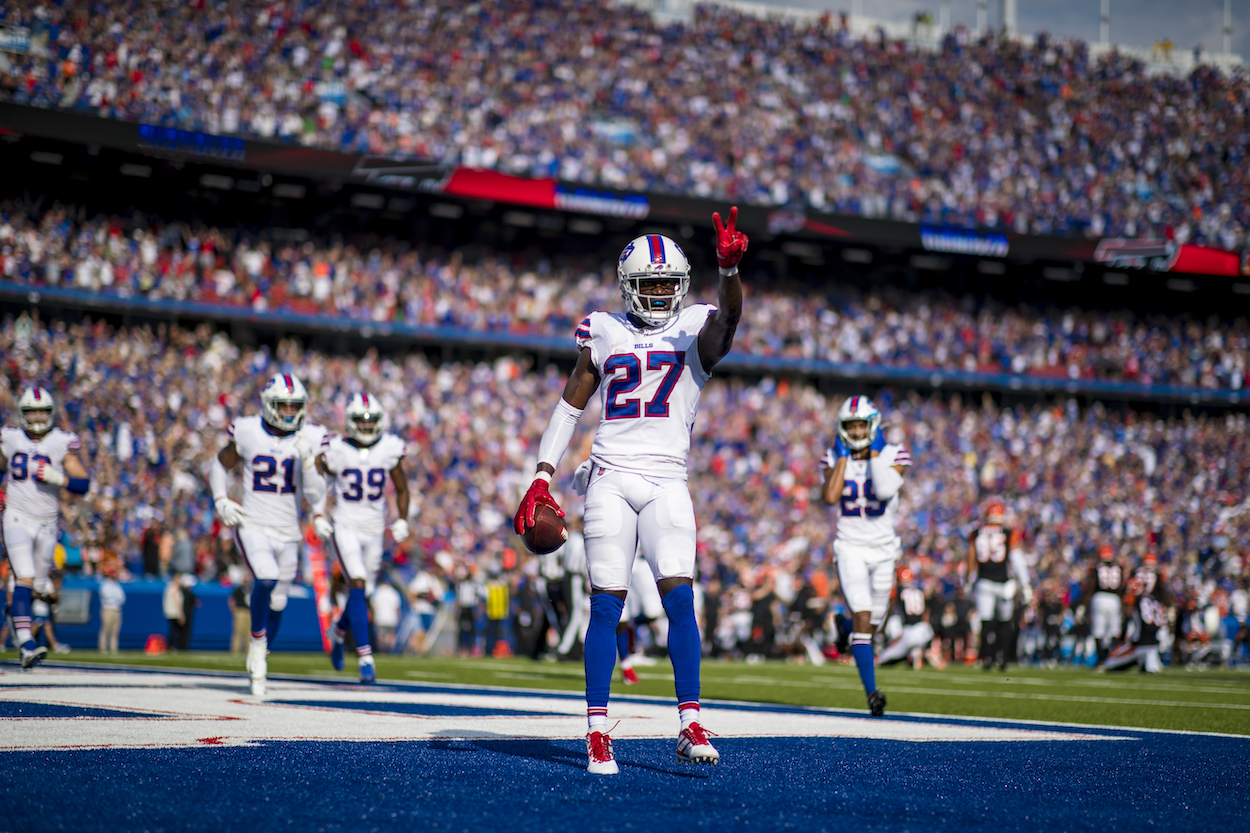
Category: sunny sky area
[1133,22]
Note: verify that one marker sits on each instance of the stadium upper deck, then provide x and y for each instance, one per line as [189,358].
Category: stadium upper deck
[1039,138]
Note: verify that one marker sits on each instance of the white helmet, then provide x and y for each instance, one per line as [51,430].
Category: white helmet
[363,419]
[648,258]
[34,410]
[283,389]
[861,409]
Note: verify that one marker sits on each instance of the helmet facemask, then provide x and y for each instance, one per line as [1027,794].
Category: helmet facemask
[652,307]
[365,428]
[35,420]
[857,442]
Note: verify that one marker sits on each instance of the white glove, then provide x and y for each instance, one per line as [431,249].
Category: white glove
[828,461]
[44,473]
[399,530]
[323,527]
[581,478]
[306,451]
[1028,594]
[230,511]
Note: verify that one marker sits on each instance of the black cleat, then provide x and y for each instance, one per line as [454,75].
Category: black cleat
[876,704]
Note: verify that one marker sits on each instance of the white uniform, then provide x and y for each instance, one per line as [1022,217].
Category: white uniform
[637,494]
[359,476]
[32,507]
[866,545]
[268,536]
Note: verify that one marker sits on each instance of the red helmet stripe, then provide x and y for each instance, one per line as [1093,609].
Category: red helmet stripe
[36,394]
[365,398]
[656,243]
[289,384]
[854,404]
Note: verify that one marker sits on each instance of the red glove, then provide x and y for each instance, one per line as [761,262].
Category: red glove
[731,244]
[538,495]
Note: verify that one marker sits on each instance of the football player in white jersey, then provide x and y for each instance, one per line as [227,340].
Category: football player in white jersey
[39,460]
[278,451]
[649,365]
[863,475]
[357,465]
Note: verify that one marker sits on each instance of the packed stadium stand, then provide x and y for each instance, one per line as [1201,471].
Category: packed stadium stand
[1101,415]
[983,131]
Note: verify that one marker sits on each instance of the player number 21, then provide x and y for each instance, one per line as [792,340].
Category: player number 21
[672,362]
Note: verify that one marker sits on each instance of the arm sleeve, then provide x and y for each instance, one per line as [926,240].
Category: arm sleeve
[218,480]
[885,480]
[1020,567]
[559,433]
[315,491]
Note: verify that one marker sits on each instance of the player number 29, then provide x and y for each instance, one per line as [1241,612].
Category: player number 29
[873,508]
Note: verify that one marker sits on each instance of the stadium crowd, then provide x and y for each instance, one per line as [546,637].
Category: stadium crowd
[384,280]
[1032,137]
[152,406]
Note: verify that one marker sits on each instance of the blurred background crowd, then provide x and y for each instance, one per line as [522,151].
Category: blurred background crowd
[1031,137]
[385,280]
[151,407]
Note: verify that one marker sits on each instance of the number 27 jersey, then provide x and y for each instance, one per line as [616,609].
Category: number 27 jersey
[359,477]
[865,520]
[651,381]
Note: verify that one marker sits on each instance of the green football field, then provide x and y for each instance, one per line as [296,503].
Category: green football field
[1201,701]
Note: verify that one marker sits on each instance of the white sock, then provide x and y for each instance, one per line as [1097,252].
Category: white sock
[688,714]
[598,721]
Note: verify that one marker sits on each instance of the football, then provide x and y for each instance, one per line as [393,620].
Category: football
[547,534]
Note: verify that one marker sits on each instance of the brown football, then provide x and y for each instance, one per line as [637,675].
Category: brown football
[547,534]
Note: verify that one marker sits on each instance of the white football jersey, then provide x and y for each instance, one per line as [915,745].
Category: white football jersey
[272,475]
[358,476]
[651,380]
[25,495]
[863,519]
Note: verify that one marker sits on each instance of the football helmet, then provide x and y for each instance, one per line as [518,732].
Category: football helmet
[995,511]
[1106,553]
[279,393]
[363,418]
[905,575]
[653,257]
[858,409]
[34,410]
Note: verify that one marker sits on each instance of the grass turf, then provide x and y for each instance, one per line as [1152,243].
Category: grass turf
[1202,701]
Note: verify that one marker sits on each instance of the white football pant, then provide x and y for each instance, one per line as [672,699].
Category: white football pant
[269,560]
[30,546]
[996,600]
[359,555]
[624,511]
[1104,617]
[914,636]
[867,576]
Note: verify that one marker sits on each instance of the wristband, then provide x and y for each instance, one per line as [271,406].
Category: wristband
[544,476]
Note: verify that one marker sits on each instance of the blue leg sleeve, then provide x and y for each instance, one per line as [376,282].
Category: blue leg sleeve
[272,623]
[684,646]
[622,644]
[358,612]
[262,589]
[600,653]
[861,649]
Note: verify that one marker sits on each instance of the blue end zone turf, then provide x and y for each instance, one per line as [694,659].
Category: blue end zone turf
[11,709]
[418,709]
[1154,781]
